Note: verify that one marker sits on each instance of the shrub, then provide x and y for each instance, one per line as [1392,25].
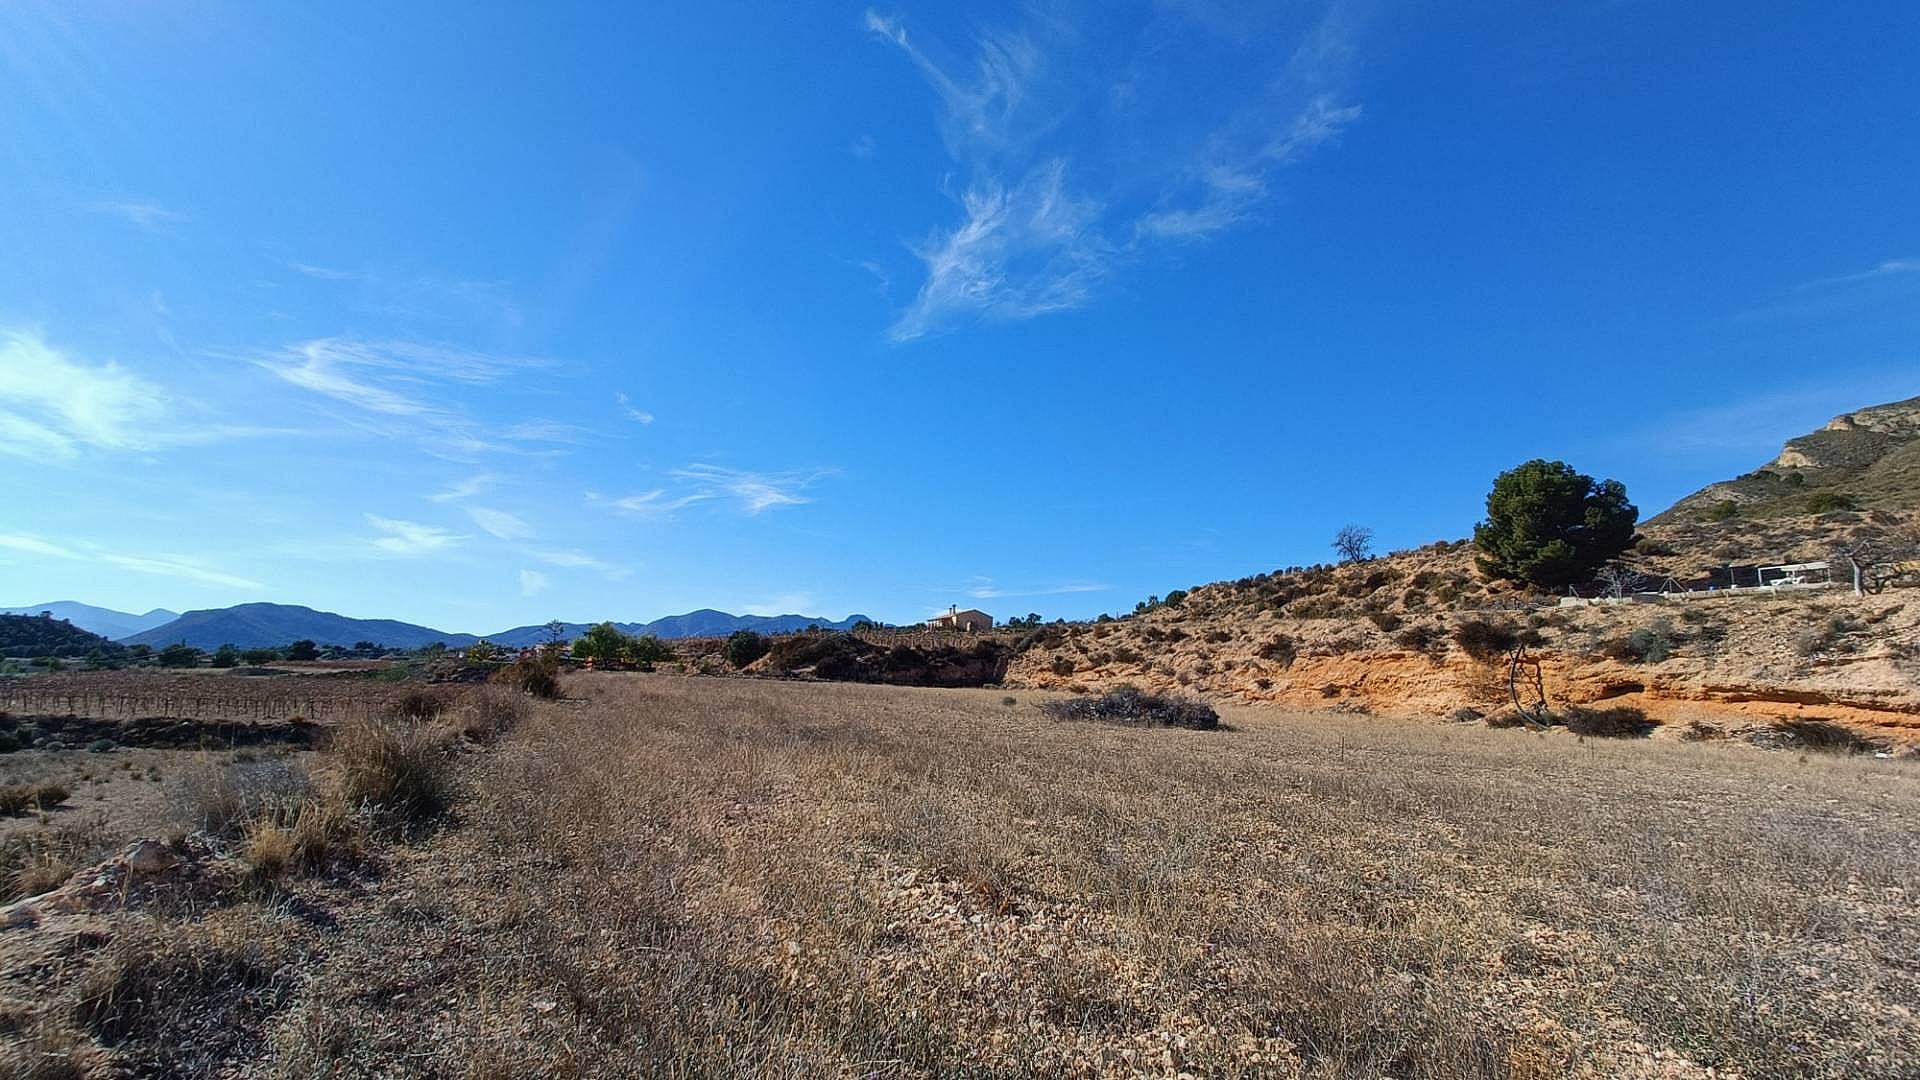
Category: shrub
[537,674]
[1549,525]
[1647,645]
[1827,502]
[1131,705]
[418,706]
[1421,638]
[1826,736]
[488,713]
[1386,621]
[225,656]
[744,647]
[1484,640]
[20,798]
[1062,666]
[179,654]
[1281,650]
[1619,722]
[1724,510]
[221,798]
[402,769]
[304,649]
[301,837]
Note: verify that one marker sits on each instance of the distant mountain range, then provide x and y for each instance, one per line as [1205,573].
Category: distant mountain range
[253,626]
[98,620]
[703,623]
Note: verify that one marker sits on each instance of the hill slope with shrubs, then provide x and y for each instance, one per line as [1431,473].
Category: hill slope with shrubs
[1425,633]
[1864,460]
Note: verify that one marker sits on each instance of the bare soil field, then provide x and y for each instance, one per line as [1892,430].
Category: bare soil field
[668,876]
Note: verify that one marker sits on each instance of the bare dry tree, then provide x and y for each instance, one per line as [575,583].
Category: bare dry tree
[1619,581]
[1353,543]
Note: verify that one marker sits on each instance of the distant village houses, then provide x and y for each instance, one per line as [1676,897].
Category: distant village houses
[955,619]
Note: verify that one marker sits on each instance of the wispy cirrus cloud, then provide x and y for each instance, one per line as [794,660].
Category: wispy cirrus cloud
[410,537]
[1042,220]
[1885,269]
[749,492]
[985,588]
[55,407]
[160,564]
[533,582]
[465,489]
[634,413]
[499,524]
[574,559]
[143,213]
[405,389]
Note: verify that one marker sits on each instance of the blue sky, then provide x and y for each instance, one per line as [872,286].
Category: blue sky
[478,318]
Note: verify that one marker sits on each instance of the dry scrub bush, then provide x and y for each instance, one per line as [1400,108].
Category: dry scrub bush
[20,798]
[1485,641]
[537,675]
[488,713]
[302,837]
[1618,722]
[403,770]
[32,862]
[221,797]
[1131,705]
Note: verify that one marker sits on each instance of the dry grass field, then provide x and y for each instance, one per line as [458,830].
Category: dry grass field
[685,877]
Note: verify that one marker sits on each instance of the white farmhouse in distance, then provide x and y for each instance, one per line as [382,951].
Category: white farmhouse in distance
[955,619]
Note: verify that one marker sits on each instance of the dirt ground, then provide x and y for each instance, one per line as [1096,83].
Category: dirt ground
[667,876]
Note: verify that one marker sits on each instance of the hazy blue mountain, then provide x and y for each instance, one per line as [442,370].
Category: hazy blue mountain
[703,623]
[253,626]
[98,620]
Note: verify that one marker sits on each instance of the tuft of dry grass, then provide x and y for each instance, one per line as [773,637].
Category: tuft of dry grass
[21,798]
[404,770]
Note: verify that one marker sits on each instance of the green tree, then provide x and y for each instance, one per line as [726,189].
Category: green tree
[603,643]
[481,651]
[744,647]
[226,656]
[180,654]
[304,649]
[1549,525]
[648,650]
[256,657]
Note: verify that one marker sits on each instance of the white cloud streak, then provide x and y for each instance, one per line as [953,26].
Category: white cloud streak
[53,406]
[500,524]
[411,538]
[1029,242]
[163,565]
[749,492]
[533,582]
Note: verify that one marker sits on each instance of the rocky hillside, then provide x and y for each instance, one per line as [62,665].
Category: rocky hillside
[1420,633]
[1867,460]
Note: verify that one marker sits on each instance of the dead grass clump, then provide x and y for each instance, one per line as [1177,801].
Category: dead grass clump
[35,861]
[488,713]
[221,797]
[1618,722]
[302,838]
[48,1052]
[182,1001]
[537,674]
[418,706]
[1131,705]
[1826,736]
[20,798]
[404,770]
